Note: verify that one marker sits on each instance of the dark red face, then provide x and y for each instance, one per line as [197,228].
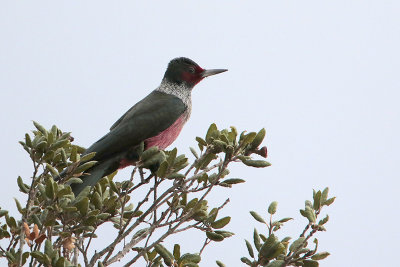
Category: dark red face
[184,70]
[192,74]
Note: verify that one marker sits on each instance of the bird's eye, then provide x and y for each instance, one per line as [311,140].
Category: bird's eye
[192,70]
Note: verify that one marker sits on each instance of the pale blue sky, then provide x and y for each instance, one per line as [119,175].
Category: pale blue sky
[320,76]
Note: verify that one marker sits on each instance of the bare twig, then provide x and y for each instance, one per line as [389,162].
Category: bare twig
[29,203]
[206,242]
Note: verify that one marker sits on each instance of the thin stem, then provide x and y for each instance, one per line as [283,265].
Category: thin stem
[31,196]
[206,242]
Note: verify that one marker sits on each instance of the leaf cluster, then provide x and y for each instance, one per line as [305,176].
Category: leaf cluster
[57,226]
[271,251]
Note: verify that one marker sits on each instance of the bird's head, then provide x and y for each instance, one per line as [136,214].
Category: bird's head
[184,70]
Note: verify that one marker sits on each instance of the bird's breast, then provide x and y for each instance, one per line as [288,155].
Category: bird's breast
[169,135]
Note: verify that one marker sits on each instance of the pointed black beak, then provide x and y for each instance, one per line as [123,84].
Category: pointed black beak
[207,73]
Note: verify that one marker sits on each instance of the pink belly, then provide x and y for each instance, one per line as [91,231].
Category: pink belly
[162,140]
[168,136]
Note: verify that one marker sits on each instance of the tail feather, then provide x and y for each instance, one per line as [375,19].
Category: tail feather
[95,174]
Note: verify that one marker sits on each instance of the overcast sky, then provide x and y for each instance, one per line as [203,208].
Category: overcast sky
[321,76]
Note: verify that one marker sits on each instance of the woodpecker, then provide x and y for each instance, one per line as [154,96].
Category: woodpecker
[156,120]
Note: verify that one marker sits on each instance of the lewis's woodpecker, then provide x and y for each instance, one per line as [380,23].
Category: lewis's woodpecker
[156,120]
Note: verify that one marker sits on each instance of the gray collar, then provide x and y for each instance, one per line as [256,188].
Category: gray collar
[181,91]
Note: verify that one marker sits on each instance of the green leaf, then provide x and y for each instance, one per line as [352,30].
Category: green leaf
[90,221]
[25,256]
[201,141]
[256,163]
[297,244]
[324,220]
[219,144]
[214,236]
[103,216]
[329,201]
[40,128]
[96,200]
[10,256]
[50,138]
[54,130]
[152,254]
[247,139]
[154,161]
[221,223]
[88,156]
[177,251]
[175,175]
[180,162]
[41,146]
[59,144]
[113,186]
[191,264]
[28,140]
[74,154]
[48,156]
[187,258]
[3,213]
[147,154]
[25,147]
[23,187]
[212,133]
[310,263]
[310,214]
[220,264]
[233,181]
[85,166]
[285,220]
[162,170]
[257,217]
[48,248]
[277,263]
[317,200]
[74,180]
[257,241]
[84,193]
[50,188]
[213,178]
[165,254]
[224,233]
[37,255]
[137,213]
[190,204]
[19,207]
[194,152]
[263,238]
[213,215]
[271,248]
[141,233]
[320,256]
[61,262]
[246,260]
[234,132]
[41,189]
[52,170]
[202,164]
[324,195]
[83,206]
[249,249]
[272,207]
[258,139]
